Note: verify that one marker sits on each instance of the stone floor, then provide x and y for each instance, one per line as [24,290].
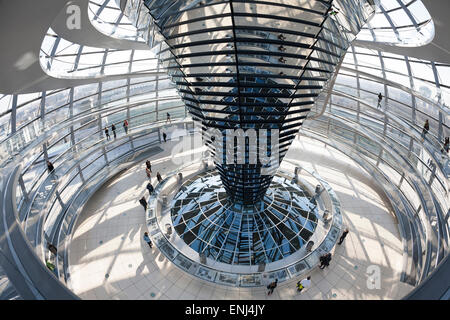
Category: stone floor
[110,260]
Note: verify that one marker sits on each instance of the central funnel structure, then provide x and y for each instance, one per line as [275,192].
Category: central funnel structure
[251,71]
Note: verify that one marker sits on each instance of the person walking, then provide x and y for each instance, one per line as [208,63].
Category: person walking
[344,234]
[143,202]
[149,173]
[328,258]
[380,97]
[165,137]
[333,12]
[107,133]
[52,249]
[445,148]
[150,188]
[317,193]
[318,189]
[125,126]
[50,167]
[147,239]
[272,287]
[325,260]
[113,129]
[148,165]
[426,128]
[322,260]
[305,283]
[158,176]
[168,118]
[50,265]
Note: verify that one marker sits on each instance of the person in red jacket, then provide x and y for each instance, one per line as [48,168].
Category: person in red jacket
[125,126]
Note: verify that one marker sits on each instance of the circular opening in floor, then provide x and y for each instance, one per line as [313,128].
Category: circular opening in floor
[237,234]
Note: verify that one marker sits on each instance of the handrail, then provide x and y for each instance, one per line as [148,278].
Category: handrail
[306,263]
[398,86]
[401,123]
[429,210]
[392,107]
[369,137]
[74,205]
[63,124]
[31,278]
[400,209]
[436,286]
[329,93]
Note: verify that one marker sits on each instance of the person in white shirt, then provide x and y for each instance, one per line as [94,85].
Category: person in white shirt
[305,283]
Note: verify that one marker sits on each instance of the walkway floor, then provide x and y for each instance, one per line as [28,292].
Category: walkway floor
[110,260]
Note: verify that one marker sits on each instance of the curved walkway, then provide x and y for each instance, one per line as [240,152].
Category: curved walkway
[109,259]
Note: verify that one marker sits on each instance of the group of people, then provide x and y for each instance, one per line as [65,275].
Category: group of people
[306,283]
[302,284]
[113,129]
[125,128]
[150,188]
[148,172]
[143,202]
[325,260]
